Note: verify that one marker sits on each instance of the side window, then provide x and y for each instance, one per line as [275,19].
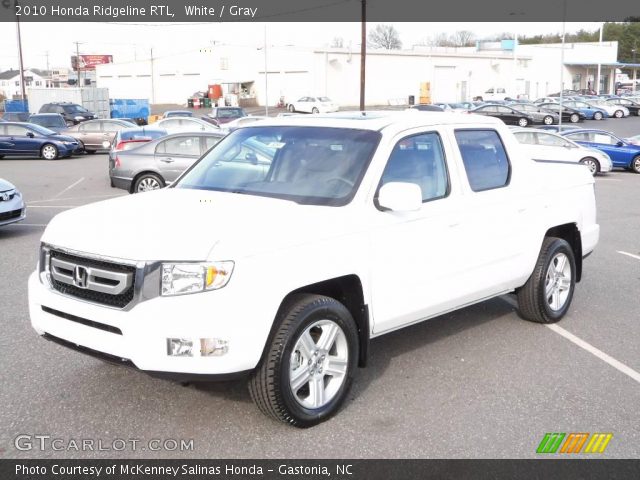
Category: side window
[579,137]
[550,140]
[419,159]
[16,130]
[527,138]
[604,138]
[87,127]
[209,142]
[485,159]
[171,124]
[180,146]
[111,127]
[59,110]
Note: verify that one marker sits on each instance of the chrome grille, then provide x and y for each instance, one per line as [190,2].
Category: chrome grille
[97,281]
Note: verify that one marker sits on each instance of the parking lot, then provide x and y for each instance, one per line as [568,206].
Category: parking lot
[477,383]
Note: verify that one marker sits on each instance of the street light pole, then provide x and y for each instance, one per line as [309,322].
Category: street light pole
[363,52]
[24,93]
[599,66]
[564,14]
[266,74]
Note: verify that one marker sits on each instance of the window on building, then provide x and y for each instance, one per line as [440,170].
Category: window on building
[485,159]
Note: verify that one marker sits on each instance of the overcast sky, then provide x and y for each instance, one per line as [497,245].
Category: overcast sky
[127,42]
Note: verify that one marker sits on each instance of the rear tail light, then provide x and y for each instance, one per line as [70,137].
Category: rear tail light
[129,144]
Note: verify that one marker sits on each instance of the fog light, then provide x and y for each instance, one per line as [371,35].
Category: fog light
[179,347]
[213,347]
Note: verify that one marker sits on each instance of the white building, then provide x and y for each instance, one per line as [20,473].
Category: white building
[453,74]
[10,85]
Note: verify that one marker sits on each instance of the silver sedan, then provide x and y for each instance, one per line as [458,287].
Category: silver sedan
[159,162]
[12,207]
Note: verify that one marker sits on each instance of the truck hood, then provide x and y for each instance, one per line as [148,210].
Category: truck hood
[193,225]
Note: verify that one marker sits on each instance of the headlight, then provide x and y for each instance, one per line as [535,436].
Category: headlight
[78,118]
[183,278]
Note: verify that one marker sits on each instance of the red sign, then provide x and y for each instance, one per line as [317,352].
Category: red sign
[89,62]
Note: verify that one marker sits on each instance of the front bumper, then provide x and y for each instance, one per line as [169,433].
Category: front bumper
[139,335]
[12,211]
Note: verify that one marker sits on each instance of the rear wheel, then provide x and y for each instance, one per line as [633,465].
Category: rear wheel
[147,182]
[619,114]
[315,110]
[308,367]
[548,120]
[547,295]
[49,152]
[597,116]
[292,108]
[575,118]
[523,122]
[592,164]
[635,164]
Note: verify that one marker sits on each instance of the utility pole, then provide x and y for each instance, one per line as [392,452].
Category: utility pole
[153,87]
[564,15]
[78,62]
[266,75]
[363,52]
[24,94]
[49,81]
[599,66]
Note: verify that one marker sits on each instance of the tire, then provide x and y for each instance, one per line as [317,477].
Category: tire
[575,118]
[315,110]
[635,164]
[548,120]
[618,114]
[292,108]
[147,182]
[597,116]
[311,317]
[523,122]
[49,151]
[592,164]
[555,272]
[1,157]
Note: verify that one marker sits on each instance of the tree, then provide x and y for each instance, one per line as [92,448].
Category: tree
[337,42]
[385,36]
[463,38]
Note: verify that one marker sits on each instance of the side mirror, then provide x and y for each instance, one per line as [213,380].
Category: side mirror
[252,158]
[620,143]
[400,197]
[30,135]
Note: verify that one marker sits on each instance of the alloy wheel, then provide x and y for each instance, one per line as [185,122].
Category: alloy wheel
[49,152]
[147,184]
[557,284]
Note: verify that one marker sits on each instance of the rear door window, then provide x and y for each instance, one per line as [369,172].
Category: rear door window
[189,146]
[485,159]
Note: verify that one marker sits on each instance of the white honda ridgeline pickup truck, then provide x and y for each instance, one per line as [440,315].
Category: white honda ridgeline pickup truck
[296,240]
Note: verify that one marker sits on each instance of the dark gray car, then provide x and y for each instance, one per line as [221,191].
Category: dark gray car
[159,162]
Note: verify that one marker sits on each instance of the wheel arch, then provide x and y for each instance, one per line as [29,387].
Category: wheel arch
[143,172]
[347,290]
[570,233]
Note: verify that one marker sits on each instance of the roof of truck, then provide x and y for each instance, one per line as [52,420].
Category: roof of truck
[377,119]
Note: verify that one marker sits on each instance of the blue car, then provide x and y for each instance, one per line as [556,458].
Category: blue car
[28,139]
[591,112]
[623,154]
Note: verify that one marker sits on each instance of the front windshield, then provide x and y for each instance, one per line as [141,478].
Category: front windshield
[309,165]
[75,109]
[41,130]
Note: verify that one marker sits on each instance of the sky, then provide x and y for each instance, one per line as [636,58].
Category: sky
[127,42]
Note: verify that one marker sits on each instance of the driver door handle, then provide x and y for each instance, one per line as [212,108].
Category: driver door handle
[167,160]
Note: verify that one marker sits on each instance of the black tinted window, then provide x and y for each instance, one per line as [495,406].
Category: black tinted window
[485,159]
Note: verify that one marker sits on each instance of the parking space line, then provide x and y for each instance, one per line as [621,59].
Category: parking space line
[584,345]
[637,257]
[74,198]
[69,187]
[594,351]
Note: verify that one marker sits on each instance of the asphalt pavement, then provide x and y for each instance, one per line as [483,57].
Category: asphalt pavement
[477,383]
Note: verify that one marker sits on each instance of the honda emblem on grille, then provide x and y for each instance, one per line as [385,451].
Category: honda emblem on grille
[80,276]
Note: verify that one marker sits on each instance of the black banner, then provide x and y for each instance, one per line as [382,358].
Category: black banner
[318,469]
[316,10]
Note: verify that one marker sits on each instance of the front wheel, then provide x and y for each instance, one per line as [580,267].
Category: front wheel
[307,369]
[547,295]
[315,110]
[523,122]
[147,182]
[619,114]
[592,164]
[597,116]
[548,120]
[635,164]
[49,152]
[575,118]
[292,108]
